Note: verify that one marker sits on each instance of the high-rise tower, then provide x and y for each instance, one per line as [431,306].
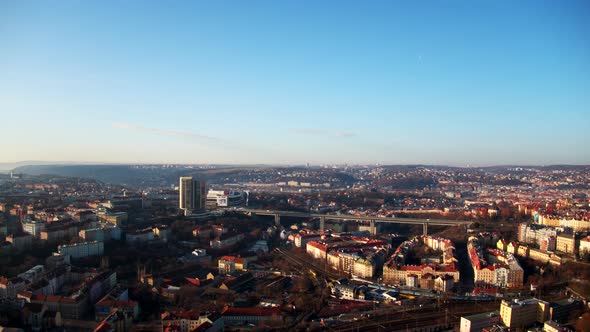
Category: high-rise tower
[193,194]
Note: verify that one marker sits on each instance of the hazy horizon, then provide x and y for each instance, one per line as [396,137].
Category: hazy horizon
[452,83]
[95,163]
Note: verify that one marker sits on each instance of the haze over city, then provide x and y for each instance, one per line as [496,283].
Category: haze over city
[453,83]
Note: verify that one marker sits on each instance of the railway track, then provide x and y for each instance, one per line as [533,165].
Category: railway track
[306,264]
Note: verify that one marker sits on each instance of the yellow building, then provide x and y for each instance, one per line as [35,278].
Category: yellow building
[554,221]
[364,268]
[539,255]
[502,245]
[512,248]
[566,243]
[115,218]
[522,251]
[522,314]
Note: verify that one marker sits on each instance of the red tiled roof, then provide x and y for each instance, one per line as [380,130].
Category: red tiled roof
[194,281]
[238,260]
[317,245]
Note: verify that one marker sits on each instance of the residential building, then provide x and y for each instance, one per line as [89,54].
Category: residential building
[523,313]
[82,249]
[114,218]
[139,236]
[566,243]
[108,305]
[565,310]
[230,264]
[540,255]
[56,233]
[9,288]
[20,242]
[226,241]
[103,234]
[116,321]
[584,247]
[549,243]
[444,283]
[493,267]
[187,321]
[302,239]
[33,226]
[478,322]
[395,270]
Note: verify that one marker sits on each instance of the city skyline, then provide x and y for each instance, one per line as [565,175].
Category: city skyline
[260,83]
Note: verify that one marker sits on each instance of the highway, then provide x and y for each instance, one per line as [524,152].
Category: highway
[346,217]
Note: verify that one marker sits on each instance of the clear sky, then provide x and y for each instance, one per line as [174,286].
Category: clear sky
[437,82]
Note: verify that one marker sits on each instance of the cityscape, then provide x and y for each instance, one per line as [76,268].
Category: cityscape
[295,165]
[298,248]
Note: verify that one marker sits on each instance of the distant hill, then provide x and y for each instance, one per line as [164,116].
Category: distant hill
[158,176]
[7,167]
[116,174]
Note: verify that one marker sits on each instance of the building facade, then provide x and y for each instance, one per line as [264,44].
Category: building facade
[193,195]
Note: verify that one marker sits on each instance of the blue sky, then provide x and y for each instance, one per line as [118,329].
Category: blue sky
[437,82]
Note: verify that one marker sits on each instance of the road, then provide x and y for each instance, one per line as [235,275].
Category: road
[415,221]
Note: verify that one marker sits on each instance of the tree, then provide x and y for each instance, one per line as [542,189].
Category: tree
[186,295]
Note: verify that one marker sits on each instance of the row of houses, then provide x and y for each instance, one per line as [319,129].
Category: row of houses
[353,255]
[425,275]
[77,302]
[521,250]
[493,267]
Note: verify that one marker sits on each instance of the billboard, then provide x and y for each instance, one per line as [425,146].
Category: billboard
[222,201]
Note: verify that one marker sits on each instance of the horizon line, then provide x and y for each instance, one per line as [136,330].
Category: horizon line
[304,164]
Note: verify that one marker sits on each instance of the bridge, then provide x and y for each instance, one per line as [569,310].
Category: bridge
[345,217]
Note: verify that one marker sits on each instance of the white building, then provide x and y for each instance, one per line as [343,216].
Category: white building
[585,246]
[475,323]
[33,274]
[33,227]
[302,239]
[83,249]
[106,233]
[224,198]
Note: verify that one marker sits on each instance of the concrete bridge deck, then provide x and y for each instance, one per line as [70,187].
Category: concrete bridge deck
[344,217]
